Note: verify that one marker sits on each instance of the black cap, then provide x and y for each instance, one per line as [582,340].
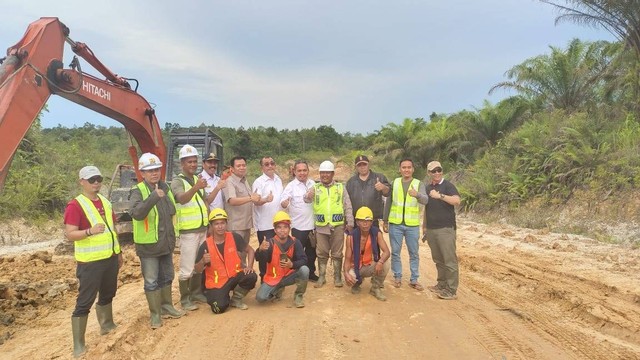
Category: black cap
[211,156]
[362,158]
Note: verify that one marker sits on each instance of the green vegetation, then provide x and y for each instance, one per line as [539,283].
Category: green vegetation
[571,131]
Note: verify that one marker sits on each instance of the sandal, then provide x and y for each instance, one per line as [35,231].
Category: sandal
[416,286]
[397,283]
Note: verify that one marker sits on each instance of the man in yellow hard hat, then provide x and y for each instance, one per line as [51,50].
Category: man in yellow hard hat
[285,262]
[220,259]
[366,255]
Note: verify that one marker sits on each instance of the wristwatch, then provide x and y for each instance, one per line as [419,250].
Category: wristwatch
[442,196]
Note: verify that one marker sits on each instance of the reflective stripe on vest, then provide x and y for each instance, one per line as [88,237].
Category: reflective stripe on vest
[328,205]
[146,231]
[221,268]
[193,214]
[97,246]
[275,272]
[404,208]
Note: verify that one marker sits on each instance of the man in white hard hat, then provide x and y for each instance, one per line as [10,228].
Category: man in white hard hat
[89,223]
[192,206]
[333,216]
[154,218]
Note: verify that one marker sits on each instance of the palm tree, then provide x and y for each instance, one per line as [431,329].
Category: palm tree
[491,122]
[621,18]
[393,139]
[437,141]
[565,79]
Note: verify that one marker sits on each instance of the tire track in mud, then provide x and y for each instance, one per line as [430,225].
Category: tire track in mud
[498,343]
[533,288]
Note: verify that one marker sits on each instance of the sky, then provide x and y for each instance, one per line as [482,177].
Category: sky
[356,65]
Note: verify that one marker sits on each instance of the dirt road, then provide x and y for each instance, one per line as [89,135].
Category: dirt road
[524,295]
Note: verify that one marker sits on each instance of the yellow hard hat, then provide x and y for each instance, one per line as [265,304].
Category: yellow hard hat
[217,214]
[281,216]
[364,213]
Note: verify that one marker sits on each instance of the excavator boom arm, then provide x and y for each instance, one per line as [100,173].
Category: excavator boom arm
[33,70]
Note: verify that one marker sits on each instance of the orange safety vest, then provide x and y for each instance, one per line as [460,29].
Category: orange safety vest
[275,272]
[366,254]
[222,268]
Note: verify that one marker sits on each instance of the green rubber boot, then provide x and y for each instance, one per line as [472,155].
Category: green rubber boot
[236,300]
[78,327]
[337,273]
[167,309]
[322,273]
[195,286]
[105,318]
[154,299]
[375,288]
[185,295]
[301,288]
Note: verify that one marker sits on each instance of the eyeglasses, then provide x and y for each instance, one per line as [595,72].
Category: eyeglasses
[272,163]
[92,180]
[436,170]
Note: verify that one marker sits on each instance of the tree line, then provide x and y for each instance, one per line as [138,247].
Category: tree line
[572,124]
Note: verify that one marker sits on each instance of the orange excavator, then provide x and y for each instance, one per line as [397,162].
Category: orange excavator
[33,70]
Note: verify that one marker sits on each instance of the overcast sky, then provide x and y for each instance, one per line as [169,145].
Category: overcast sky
[356,65]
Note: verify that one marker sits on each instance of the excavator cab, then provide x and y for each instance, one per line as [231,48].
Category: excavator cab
[122,180]
[205,142]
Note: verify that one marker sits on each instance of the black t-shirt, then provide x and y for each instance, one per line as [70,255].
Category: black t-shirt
[440,214]
[241,244]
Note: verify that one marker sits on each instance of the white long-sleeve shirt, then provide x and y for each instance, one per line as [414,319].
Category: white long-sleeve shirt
[263,215]
[301,213]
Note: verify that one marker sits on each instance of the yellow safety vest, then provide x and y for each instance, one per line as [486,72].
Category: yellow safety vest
[404,208]
[146,231]
[328,205]
[97,246]
[193,214]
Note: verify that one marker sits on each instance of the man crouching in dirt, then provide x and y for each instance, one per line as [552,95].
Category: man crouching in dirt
[285,263]
[89,222]
[366,255]
[153,211]
[219,257]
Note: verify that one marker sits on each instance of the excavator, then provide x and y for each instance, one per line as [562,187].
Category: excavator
[33,70]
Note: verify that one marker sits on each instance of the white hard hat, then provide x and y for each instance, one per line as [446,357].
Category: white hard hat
[326,166]
[188,151]
[148,161]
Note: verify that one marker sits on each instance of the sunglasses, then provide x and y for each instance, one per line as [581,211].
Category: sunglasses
[272,163]
[436,170]
[94,179]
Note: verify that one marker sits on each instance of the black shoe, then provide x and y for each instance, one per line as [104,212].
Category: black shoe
[313,277]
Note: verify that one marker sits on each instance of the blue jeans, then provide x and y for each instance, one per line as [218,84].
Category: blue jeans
[157,272]
[411,235]
[265,292]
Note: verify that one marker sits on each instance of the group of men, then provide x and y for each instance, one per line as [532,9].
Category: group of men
[296,225]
